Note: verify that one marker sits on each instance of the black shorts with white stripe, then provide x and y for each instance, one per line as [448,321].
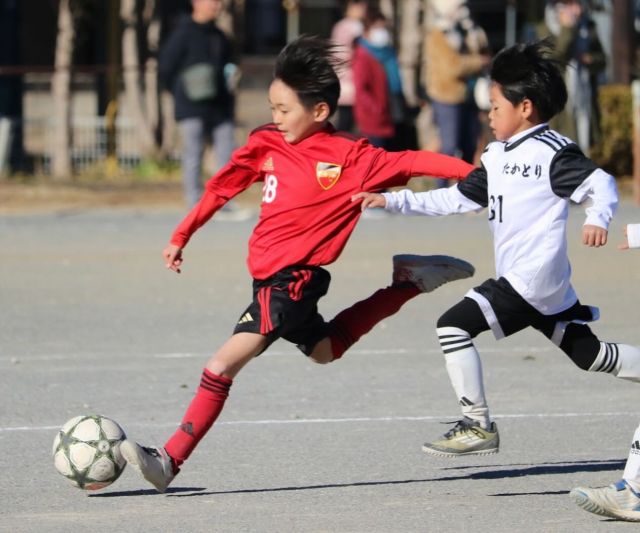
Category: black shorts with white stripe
[511,310]
[514,313]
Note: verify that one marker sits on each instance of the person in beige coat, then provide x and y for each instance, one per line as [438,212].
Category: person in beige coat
[457,52]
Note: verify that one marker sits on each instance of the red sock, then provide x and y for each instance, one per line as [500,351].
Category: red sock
[352,323]
[199,417]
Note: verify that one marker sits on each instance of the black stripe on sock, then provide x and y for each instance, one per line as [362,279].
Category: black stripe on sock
[457,349]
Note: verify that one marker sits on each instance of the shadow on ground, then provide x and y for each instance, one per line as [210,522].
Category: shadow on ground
[486,472]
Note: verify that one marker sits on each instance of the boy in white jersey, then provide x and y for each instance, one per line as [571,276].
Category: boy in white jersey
[526,180]
[620,499]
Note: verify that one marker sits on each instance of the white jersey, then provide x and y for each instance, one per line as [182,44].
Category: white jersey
[526,184]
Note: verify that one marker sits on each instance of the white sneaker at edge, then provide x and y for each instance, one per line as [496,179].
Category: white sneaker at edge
[616,501]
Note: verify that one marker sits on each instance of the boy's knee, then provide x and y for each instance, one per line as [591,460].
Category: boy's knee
[445,321]
[452,318]
[322,359]
[581,345]
[465,315]
[323,352]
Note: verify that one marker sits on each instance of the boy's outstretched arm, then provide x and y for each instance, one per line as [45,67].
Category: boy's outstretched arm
[468,195]
[199,215]
[431,203]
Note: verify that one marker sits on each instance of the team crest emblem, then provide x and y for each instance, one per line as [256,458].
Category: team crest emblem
[328,174]
[267,166]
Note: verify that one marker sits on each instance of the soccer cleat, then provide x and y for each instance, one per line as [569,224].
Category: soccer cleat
[465,438]
[615,501]
[428,272]
[153,463]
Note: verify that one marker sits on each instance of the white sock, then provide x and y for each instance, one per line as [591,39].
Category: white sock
[632,468]
[465,372]
[621,360]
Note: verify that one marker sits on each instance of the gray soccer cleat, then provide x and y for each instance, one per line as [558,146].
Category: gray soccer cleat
[428,272]
[467,437]
[616,501]
[153,463]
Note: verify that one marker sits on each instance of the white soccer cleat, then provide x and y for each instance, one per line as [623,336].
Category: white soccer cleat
[153,463]
[616,501]
[428,272]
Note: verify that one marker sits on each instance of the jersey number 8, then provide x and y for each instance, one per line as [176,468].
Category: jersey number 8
[269,189]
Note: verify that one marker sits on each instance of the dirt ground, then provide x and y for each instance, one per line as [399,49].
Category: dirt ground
[41,196]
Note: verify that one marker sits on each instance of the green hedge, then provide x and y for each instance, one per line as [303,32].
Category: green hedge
[613,152]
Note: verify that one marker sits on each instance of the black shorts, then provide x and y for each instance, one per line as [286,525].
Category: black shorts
[506,312]
[286,306]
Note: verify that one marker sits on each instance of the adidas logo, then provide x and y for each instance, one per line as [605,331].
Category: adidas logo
[465,401]
[245,318]
[635,447]
[187,428]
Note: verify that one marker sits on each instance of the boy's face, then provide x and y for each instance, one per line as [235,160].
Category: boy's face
[294,121]
[505,119]
[206,10]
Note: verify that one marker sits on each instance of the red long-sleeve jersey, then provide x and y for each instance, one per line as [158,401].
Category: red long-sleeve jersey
[306,214]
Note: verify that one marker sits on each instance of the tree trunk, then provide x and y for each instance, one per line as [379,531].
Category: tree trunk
[133,78]
[152,95]
[409,42]
[61,93]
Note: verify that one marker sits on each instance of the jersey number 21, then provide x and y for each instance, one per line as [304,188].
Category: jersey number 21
[495,207]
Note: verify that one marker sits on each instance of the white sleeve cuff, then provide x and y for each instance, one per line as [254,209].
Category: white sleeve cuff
[633,235]
[390,199]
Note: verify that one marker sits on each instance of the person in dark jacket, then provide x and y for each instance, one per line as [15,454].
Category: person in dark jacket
[196,65]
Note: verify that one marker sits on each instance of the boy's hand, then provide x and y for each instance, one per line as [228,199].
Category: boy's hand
[625,244]
[594,236]
[369,199]
[173,257]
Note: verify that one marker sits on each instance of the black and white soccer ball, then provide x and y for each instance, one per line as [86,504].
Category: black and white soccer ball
[86,451]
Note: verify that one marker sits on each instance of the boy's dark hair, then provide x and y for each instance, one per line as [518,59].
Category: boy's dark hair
[528,71]
[372,15]
[307,65]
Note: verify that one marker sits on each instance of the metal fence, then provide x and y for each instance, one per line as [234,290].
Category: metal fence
[89,142]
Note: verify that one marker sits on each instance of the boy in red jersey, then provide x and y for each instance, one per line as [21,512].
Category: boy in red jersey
[310,172]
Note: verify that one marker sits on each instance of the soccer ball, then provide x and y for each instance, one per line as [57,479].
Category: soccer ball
[86,451]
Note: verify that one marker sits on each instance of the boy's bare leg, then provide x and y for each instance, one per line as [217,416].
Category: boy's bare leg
[236,352]
[212,393]
[159,465]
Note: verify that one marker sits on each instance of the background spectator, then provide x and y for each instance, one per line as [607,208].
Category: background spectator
[344,34]
[573,33]
[379,103]
[195,64]
[457,52]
